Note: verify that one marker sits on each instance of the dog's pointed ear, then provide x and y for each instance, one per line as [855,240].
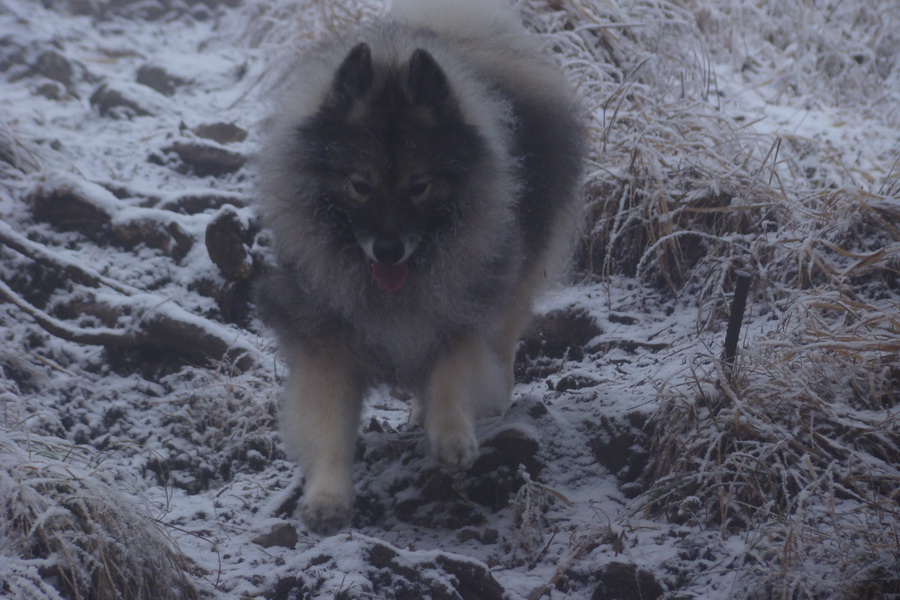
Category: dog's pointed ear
[354,77]
[427,84]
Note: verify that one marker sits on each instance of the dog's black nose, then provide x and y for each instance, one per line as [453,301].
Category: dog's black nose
[388,250]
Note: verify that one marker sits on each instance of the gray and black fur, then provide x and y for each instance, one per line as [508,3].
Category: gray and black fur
[448,160]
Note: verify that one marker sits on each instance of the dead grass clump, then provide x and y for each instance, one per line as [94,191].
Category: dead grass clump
[836,53]
[798,449]
[663,229]
[840,239]
[680,189]
[814,406]
[67,533]
[819,553]
[673,182]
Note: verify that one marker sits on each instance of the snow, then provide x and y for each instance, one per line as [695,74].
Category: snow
[196,446]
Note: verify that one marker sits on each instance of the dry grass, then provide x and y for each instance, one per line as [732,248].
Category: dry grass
[681,190]
[805,404]
[797,453]
[69,533]
[798,448]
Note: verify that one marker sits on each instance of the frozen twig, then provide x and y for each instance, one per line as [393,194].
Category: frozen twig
[94,336]
[152,322]
[171,330]
[42,255]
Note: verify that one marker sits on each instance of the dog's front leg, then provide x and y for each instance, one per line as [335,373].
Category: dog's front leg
[466,379]
[323,398]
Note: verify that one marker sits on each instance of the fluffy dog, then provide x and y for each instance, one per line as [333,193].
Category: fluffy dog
[421,183]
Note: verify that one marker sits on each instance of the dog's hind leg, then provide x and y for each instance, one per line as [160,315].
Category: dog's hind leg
[464,379]
[320,421]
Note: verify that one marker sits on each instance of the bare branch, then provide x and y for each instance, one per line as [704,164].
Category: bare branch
[40,254]
[155,322]
[97,336]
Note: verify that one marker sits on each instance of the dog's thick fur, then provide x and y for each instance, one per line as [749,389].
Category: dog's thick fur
[420,180]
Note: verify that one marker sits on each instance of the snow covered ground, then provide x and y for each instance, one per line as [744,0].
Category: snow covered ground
[139,451]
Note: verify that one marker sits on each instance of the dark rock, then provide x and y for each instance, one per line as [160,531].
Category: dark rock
[438,485]
[559,334]
[537,410]
[621,581]
[622,319]
[283,535]
[440,503]
[288,588]
[68,207]
[490,536]
[393,447]
[31,61]
[13,53]
[510,447]
[163,234]
[473,580]
[494,477]
[409,577]
[159,79]
[575,382]
[621,448]
[235,300]
[223,133]
[629,346]
[193,203]
[118,103]
[227,239]
[206,159]
[53,65]
[467,534]
[51,90]
[288,507]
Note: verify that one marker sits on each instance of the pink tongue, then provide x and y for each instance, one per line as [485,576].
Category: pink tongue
[390,277]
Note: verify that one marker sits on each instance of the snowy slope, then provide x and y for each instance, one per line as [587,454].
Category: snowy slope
[138,394]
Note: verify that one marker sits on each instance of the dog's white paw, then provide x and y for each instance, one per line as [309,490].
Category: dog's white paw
[455,447]
[326,514]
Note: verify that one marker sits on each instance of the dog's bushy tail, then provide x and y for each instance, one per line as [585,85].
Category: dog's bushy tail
[461,18]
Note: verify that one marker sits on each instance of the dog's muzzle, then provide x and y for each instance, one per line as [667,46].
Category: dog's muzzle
[389,255]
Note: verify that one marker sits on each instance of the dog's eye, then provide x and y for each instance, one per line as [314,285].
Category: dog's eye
[361,189]
[419,190]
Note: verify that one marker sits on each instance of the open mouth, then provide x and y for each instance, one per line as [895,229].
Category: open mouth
[390,277]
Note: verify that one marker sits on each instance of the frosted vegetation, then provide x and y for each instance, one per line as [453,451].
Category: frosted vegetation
[139,453]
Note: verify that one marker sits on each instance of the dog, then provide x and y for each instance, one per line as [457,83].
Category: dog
[420,180]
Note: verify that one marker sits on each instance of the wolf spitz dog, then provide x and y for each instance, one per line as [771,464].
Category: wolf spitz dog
[421,183]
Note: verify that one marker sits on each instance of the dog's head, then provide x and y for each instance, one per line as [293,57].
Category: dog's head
[391,153]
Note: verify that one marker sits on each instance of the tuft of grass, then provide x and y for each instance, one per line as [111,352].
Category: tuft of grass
[680,187]
[68,533]
[808,408]
[797,450]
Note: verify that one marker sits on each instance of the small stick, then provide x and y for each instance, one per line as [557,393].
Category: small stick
[738,304]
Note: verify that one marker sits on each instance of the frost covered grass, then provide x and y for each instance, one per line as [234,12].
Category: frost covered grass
[798,447]
[797,450]
[70,532]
